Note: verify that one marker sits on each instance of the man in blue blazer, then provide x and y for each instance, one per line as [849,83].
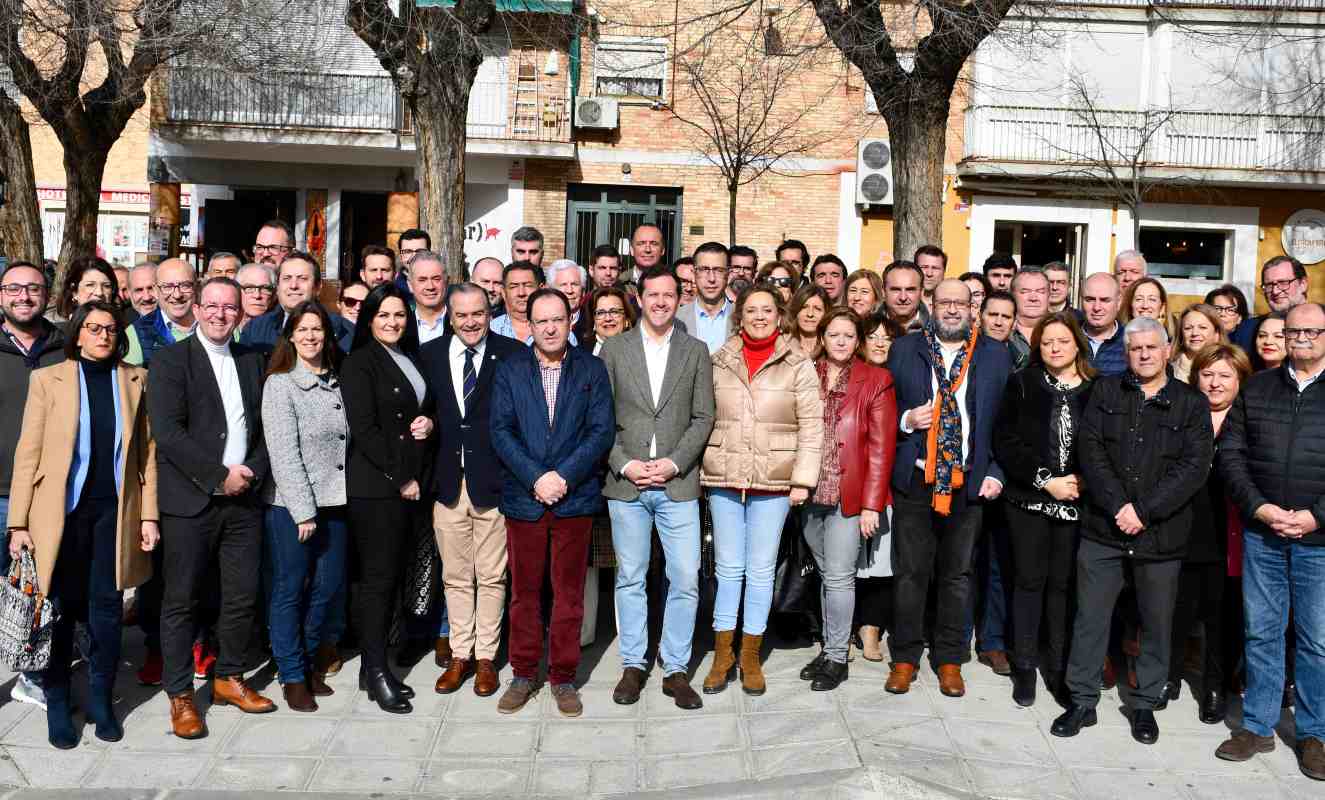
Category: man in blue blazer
[298,278]
[552,426]
[949,381]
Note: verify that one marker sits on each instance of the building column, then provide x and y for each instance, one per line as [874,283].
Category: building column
[402,213]
[331,257]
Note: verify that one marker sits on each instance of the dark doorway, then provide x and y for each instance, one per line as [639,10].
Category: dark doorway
[609,215]
[362,222]
[232,225]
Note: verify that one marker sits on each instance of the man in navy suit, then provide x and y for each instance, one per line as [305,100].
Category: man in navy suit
[949,381]
[552,425]
[467,483]
[298,278]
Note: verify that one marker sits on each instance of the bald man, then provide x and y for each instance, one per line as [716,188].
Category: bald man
[646,247]
[173,320]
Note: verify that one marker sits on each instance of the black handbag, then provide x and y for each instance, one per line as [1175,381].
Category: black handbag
[795,583]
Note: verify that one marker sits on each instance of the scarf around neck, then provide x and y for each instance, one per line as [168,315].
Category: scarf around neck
[943,446]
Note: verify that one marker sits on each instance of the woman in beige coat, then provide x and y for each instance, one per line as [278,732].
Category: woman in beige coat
[761,459]
[84,502]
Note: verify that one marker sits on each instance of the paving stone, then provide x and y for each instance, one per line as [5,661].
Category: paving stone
[488,777]
[696,735]
[158,770]
[556,778]
[283,734]
[249,773]
[392,776]
[766,730]
[796,759]
[673,772]
[43,766]
[610,740]
[368,739]
[460,739]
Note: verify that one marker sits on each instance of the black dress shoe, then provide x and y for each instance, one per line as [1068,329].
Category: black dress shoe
[1023,686]
[829,676]
[1071,721]
[1144,727]
[811,669]
[1172,691]
[383,692]
[1213,708]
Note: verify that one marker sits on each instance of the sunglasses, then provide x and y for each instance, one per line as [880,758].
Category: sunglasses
[782,283]
[350,302]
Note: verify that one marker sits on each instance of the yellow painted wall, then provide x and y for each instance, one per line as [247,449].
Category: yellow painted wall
[876,235]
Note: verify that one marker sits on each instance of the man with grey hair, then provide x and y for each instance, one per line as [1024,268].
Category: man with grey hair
[1130,267]
[142,288]
[1144,444]
[570,279]
[427,283]
[223,265]
[527,245]
[1030,287]
[257,285]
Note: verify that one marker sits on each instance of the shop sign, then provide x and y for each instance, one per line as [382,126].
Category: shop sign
[1304,235]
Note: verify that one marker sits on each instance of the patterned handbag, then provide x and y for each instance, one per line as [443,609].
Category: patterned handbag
[27,618]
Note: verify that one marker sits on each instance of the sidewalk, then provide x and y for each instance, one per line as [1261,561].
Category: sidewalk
[856,742]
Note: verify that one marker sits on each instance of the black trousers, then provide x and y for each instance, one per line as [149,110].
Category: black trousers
[928,545]
[1043,553]
[874,602]
[383,533]
[228,533]
[83,590]
[1100,574]
[1200,599]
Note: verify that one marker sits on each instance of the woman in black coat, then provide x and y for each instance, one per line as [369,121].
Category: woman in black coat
[1035,443]
[390,455]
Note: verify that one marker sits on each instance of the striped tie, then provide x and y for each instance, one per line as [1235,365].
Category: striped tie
[471,377]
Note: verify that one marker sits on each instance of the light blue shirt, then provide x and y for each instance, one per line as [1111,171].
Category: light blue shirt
[712,329]
[83,451]
[434,331]
[502,326]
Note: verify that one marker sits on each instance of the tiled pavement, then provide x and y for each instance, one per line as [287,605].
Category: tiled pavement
[857,742]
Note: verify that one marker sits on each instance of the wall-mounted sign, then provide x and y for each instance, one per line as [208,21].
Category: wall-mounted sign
[1304,235]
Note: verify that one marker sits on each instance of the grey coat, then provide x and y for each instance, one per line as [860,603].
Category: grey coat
[681,421]
[307,438]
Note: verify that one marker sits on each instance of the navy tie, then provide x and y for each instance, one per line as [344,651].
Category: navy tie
[471,377]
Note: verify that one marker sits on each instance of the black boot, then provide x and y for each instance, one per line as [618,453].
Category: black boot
[59,718]
[383,692]
[1071,721]
[829,676]
[811,669]
[1213,707]
[1023,686]
[399,685]
[101,710]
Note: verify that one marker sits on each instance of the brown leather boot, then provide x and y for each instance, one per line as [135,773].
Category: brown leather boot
[297,697]
[454,676]
[723,661]
[900,678]
[232,691]
[950,680]
[327,659]
[317,684]
[752,672]
[185,721]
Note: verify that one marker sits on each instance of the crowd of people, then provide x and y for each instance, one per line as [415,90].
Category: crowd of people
[1079,491]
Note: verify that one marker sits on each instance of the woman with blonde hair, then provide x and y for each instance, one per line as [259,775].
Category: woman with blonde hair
[863,292]
[1146,298]
[1198,327]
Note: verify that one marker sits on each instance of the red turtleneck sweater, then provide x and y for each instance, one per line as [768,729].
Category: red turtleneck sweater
[757,351]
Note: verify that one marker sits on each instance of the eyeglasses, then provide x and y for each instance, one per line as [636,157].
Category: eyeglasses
[212,309]
[1310,334]
[272,248]
[97,329]
[877,338]
[781,283]
[257,290]
[952,304]
[609,313]
[412,252]
[1278,286]
[183,287]
[1226,311]
[16,289]
[350,302]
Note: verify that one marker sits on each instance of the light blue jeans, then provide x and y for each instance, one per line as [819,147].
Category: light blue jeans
[678,530]
[746,534]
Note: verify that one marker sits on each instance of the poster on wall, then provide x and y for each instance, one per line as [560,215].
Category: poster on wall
[120,237]
[1304,235]
[489,222]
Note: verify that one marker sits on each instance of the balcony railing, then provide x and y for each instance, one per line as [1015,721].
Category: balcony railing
[353,102]
[1276,5]
[1156,138]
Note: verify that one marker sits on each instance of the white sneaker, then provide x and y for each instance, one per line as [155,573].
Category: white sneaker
[26,691]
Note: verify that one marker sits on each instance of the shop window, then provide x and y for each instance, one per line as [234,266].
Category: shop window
[1186,253]
[630,67]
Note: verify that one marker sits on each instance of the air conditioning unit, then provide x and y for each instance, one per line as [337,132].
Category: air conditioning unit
[874,173]
[596,112]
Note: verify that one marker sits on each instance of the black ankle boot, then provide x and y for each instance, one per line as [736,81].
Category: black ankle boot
[59,718]
[1023,686]
[383,692]
[399,685]
[1213,708]
[811,669]
[829,676]
[101,710]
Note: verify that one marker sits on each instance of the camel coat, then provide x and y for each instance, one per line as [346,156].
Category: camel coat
[46,452]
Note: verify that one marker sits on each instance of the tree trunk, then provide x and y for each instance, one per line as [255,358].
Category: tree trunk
[731,214]
[20,220]
[917,134]
[84,166]
[440,109]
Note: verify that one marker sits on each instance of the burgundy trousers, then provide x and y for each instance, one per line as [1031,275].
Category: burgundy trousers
[559,546]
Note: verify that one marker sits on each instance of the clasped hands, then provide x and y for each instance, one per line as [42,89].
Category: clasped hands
[647,474]
[1288,524]
[550,488]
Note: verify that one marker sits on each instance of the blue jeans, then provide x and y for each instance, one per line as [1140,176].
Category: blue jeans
[746,534]
[1277,574]
[678,530]
[305,578]
[993,560]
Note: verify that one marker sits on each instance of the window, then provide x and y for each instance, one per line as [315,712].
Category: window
[1198,254]
[630,67]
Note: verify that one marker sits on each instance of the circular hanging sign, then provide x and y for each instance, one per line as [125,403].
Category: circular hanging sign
[1304,235]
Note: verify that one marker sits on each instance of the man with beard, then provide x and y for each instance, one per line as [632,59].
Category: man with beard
[950,381]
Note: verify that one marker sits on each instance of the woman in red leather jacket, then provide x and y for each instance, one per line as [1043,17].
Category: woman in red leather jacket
[847,506]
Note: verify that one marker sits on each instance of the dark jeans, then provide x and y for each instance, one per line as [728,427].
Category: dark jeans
[555,547]
[383,532]
[83,590]
[305,578]
[874,602]
[1100,574]
[1043,553]
[1200,599]
[993,575]
[928,544]
[227,533]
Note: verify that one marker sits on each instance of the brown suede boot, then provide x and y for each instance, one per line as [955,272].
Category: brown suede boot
[723,661]
[752,674]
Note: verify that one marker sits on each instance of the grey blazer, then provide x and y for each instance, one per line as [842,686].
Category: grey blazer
[303,420]
[681,421]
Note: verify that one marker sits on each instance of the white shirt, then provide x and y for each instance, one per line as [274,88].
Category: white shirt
[434,331]
[1302,383]
[456,360]
[949,355]
[655,363]
[232,399]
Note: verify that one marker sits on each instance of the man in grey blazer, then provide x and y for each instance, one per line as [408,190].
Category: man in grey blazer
[662,382]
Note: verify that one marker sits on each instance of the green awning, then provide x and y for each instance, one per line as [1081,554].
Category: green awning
[516,6]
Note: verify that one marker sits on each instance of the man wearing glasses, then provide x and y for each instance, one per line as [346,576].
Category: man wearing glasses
[257,283]
[1272,463]
[172,321]
[1284,282]
[709,318]
[273,243]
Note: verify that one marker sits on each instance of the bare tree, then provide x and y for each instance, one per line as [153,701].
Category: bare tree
[433,55]
[20,221]
[744,101]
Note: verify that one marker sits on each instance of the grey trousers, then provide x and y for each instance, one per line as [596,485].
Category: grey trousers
[835,542]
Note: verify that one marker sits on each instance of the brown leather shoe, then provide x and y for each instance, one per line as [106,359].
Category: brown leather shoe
[317,684]
[327,659]
[185,721]
[442,654]
[486,681]
[1311,758]
[297,697]
[677,687]
[900,678]
[950,680]
[568,700]
[454,676]
[232,691]
[628,688]
[1244,744]
[997,660]
[518,692]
